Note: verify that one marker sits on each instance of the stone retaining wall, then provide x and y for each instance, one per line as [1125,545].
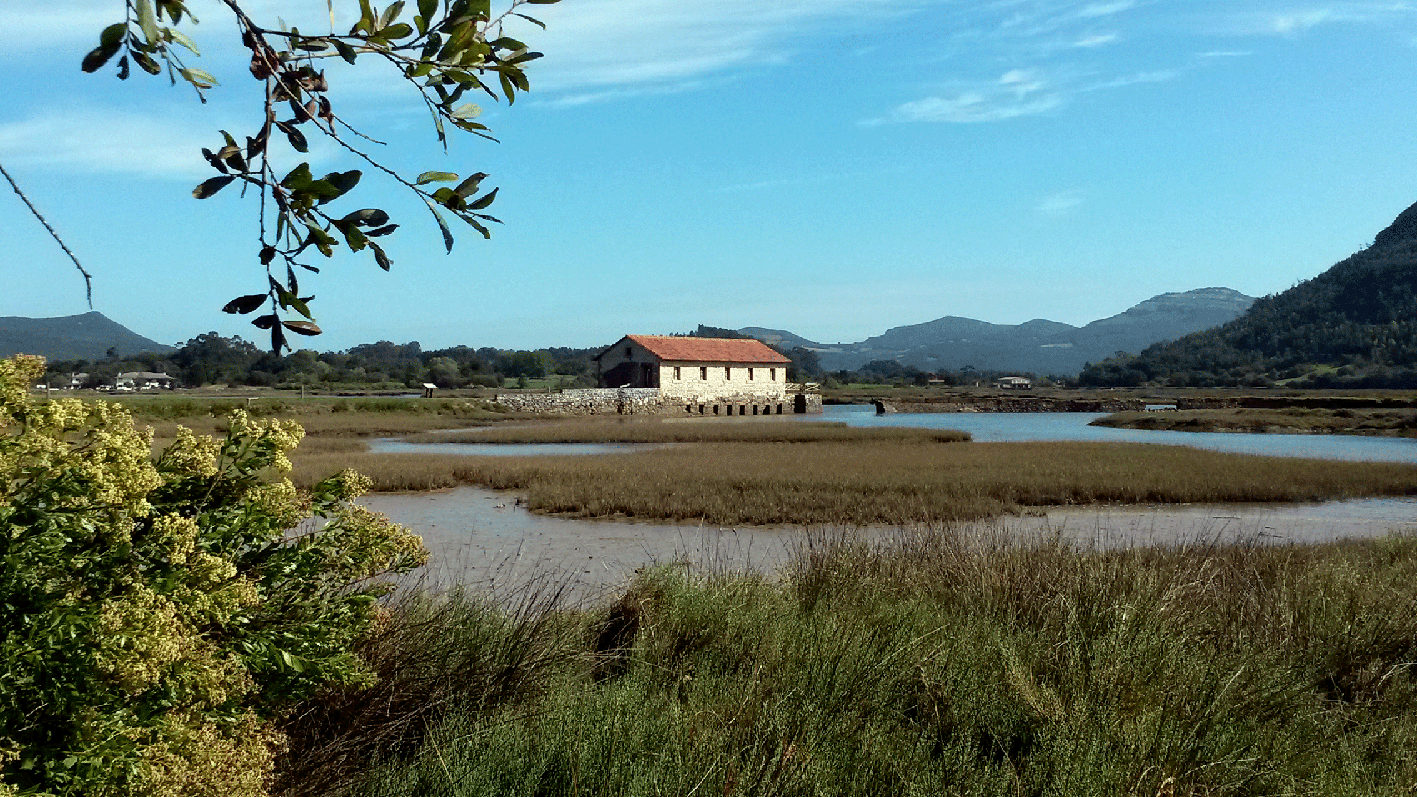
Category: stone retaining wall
[649,401]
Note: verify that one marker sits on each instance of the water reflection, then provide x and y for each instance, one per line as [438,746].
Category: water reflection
[1053,426]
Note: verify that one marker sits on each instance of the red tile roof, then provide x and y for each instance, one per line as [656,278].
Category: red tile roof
[709,350]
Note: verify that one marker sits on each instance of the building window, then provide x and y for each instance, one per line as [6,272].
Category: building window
[728,372]
[703,372]
[676,372]
[772,374]
[750,374]
[627,353]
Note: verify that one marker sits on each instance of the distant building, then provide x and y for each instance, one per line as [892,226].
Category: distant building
[142,380]
[1014,383]
[704,375]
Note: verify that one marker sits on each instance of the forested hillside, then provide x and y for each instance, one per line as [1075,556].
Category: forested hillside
[1354,325]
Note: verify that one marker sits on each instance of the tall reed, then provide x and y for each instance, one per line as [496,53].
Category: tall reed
[942,665]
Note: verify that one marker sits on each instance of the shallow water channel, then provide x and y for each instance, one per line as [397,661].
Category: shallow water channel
[487,539]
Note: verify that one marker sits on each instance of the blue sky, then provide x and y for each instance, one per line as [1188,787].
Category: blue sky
[829,167]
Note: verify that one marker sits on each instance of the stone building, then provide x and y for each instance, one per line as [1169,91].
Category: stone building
[718,376]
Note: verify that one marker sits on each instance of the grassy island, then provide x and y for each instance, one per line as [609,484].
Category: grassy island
[1290,420]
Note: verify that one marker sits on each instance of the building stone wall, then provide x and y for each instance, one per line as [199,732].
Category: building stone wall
[650,401]
[705,383]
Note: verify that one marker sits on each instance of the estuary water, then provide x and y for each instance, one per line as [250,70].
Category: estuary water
[1022,427]
[488,540]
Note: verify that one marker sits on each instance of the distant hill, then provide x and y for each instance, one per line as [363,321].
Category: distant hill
[1354,324]
[76,337]
[1038,346]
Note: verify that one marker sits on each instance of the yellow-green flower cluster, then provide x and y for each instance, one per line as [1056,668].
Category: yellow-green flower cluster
[283,436]
[192,757]
[148,568]
[192,454]
[93,444]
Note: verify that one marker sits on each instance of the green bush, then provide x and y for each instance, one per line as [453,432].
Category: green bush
[159,617]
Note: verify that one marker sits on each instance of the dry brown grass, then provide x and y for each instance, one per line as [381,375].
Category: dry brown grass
[859,483]
[1381,422]
[660,430]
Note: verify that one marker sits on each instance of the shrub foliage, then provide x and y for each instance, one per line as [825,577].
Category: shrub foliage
[159,616]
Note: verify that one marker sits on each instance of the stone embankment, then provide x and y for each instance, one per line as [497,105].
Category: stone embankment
[649,401]
[1013,404]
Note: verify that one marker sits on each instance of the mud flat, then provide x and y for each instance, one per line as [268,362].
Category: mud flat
[486,540]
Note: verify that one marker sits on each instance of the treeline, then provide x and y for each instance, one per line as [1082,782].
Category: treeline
[1355,325]
[212,359]
[890,372]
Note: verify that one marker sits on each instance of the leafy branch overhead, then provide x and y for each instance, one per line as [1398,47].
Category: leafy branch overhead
[445,50]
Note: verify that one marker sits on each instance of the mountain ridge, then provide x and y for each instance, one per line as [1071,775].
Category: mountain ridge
[1040,346]
[87,336]
[1355,325]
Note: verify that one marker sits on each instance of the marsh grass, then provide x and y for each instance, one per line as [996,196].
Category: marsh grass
[1295,420]
[870,483]
[742,430]
[931,665]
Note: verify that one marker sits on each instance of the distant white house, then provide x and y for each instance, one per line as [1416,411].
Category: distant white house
[706,375]
[142,380]
[1014,383]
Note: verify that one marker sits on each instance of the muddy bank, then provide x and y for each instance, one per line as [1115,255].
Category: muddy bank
[486,540]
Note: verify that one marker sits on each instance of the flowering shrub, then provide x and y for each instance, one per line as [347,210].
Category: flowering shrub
[159,615]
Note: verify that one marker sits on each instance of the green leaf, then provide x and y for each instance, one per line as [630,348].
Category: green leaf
[147,64]
[427,8]
[354,237]
[264,321]
[467,110]
[198,78]
[345,51]
[443,225]
[532,20]
[178,37]
[390,14]
[380,257]
[396,31]
[301,328]
[112,36]
[469,186]
[343,181]
[212,186]
[245,304]
[369,217]
[147,20]
[485,200]
[97,57]
[298,178]
[296,138]
[435,177]
[382,231]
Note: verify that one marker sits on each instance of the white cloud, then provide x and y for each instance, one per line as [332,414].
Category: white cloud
[115,141]
[591,44]
[1295,21]
[970,106]
[1061,203]
[1094,10]
[1096,40]
[1160,76]
[108,140]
